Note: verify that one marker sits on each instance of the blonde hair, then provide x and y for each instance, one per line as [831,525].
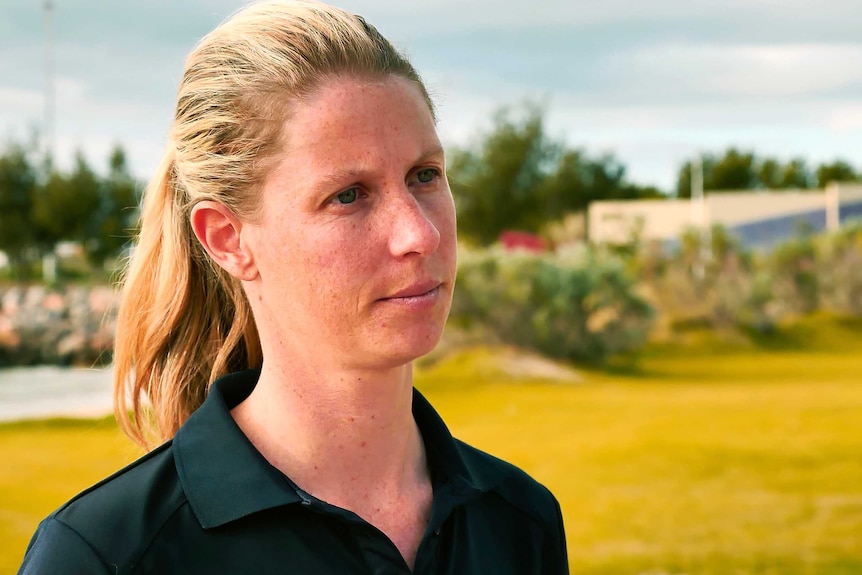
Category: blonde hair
[183,321]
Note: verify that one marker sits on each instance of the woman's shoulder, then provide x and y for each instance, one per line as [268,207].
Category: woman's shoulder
[513,484]
[148,486]
[117,517]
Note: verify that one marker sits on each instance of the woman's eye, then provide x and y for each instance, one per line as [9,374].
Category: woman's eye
[426,176]
[347,196]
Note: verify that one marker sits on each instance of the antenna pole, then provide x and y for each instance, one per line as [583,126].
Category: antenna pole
[48,7]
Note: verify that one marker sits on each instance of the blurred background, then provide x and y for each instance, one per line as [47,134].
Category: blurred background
[659,297]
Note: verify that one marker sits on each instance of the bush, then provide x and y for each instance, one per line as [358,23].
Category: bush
[577,304]
[839,270]
[795,282]
[729,288]
[719,287]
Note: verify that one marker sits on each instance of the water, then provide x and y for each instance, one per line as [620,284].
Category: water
[47,391]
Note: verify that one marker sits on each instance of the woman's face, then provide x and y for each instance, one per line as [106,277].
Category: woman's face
[355,244]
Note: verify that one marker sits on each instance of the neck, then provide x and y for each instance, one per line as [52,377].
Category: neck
[345,436]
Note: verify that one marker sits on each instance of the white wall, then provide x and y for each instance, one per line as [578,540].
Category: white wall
[849,192]
[737,208]
[615,221]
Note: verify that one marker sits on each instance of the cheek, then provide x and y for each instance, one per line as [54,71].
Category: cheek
[334,247]
[337,260]
[289,264]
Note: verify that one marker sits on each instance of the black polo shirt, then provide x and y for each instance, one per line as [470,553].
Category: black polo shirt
[208,502]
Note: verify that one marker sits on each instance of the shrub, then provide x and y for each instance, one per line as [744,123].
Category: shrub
[717,287]
[839,271]
[793,268]
[577,304]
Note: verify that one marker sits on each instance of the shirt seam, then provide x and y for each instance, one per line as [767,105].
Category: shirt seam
[130,468]
[105,564]
[155,536]
[547,528]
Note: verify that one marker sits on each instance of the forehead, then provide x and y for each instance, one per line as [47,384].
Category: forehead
[351,116]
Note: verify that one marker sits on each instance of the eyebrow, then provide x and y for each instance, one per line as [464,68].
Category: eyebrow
[339,176]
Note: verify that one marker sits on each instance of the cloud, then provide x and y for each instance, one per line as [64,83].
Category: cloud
[758,18]
[845,118]
[21,101]
[788,71]
[654,80]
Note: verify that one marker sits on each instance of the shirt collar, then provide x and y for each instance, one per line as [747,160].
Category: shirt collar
[226,478]
[223,475]
[444,453]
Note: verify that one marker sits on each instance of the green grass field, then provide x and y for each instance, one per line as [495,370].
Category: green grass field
[738,462]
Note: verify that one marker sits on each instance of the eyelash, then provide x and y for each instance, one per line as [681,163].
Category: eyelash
[435,175]
[357,195]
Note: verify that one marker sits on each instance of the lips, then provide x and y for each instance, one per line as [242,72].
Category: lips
[415,290]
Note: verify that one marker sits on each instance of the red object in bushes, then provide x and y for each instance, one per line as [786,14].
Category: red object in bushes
[514,240]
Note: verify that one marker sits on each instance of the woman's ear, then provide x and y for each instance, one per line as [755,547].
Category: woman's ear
[219,232]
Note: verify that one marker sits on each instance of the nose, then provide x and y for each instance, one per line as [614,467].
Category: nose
[411,227]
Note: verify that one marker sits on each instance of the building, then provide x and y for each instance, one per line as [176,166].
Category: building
[759,219]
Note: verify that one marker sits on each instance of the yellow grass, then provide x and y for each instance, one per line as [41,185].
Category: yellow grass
[44,464]
[740,463]
[747,463]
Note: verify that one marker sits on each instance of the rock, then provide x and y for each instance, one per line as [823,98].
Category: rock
[11,301]
[73,325]
[72,348]
[9,337]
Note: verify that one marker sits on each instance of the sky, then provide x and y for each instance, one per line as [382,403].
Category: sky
[653,83]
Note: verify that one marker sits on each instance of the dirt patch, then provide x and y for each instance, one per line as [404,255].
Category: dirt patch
[533,366]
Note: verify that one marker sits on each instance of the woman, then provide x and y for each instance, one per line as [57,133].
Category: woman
[296,254]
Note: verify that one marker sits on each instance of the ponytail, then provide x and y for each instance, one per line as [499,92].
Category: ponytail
[182,321]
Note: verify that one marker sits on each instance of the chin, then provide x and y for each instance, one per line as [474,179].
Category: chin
[410,345]
[404,337]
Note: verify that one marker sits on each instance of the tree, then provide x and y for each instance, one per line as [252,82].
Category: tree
[683,181]
[517,177]
[796,176]
[18,179]
[497,186]
[111,226]
[737,170]
[579,180]
[770,173]
[837,171]
[65,204]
